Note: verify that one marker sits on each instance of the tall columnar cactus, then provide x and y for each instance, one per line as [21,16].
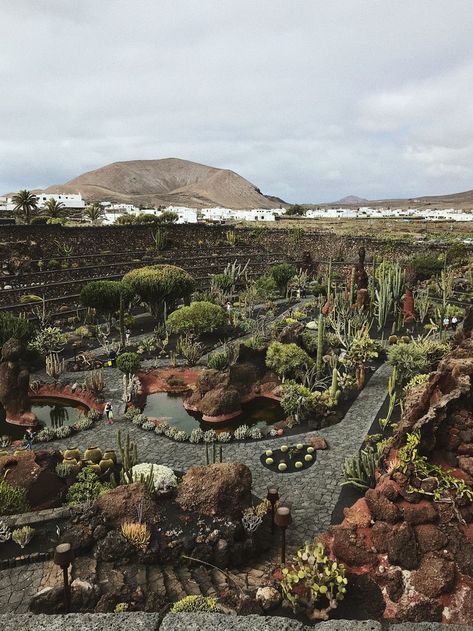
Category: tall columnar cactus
[54,365]
[129,458]
[329,280]
[159,239]
[320,344]
[334,384]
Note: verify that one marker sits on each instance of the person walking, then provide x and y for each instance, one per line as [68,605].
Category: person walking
[28,438]
[108,413]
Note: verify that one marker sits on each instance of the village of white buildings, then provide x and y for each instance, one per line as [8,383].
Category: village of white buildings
[75,202]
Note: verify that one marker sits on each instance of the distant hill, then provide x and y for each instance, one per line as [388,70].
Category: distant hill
[167,182]
[352,199]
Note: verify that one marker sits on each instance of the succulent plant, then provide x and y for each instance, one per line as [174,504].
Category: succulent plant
[22,536]
[5,532]
[196,603]
[313,582]
[137,533]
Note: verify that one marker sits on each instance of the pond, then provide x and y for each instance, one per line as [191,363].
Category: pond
[50,412]
[261,412]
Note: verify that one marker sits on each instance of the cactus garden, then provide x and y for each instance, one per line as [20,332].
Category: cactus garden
[291,438]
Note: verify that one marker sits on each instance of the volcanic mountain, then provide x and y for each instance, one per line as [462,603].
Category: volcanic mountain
[167,182]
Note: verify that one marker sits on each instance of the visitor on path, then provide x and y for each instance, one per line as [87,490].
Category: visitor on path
[108,413]
[28,438]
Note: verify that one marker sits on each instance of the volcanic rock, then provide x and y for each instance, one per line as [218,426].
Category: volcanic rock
[435,576]
[222,489]
[123,503]
[429,538]
[402,547]
[381,507]
[349,547]
[35,472]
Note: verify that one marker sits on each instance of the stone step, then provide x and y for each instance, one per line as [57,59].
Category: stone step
[203,580]
[187,581]
[156,580]
[174,589]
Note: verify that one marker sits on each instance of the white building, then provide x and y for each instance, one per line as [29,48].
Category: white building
[69,200]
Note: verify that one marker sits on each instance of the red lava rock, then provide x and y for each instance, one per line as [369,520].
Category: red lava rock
[424,512]
[389,489]
[380,534]
[222,489]
[429,538]
[402,547]
[358,515]
[420,610]
[435,576]
[381,507]
[349,546]
[318,442]
[460,607]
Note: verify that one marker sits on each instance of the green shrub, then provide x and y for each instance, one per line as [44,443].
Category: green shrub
[104,295]
[199,317]
[415,358]
[266,287]
[11,326]
[282,274]
[87,488]
[160,284]
[53,264]
[426,266]
[286,359]
[128,363]
[39,220]
[13,499]
[218,360]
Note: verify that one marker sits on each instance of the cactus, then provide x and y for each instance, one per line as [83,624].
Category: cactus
[54,365]
[159,239]
[359,470]
[334,385]
[320,344]
[392,382]
[129,458]
[231,237]
[329,280]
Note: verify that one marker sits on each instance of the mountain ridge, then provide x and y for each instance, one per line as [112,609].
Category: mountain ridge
[167,181]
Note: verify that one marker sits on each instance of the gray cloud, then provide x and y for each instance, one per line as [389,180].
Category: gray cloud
[309,99]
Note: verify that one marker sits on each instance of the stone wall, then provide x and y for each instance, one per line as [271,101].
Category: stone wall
[196,622]
[40,241]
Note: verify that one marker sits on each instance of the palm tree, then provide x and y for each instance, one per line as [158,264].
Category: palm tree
[53,208]
[26,203]
[95,212]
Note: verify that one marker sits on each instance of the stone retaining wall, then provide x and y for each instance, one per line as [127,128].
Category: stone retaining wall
[197,622]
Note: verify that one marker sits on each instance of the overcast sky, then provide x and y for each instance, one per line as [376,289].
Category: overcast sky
[310,100]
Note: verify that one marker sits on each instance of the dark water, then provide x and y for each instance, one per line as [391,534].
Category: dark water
[260,412]
[50,413]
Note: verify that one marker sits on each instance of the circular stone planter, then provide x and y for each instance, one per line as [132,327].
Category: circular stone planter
[289,458]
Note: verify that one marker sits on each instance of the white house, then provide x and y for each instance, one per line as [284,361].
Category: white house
[70,200]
